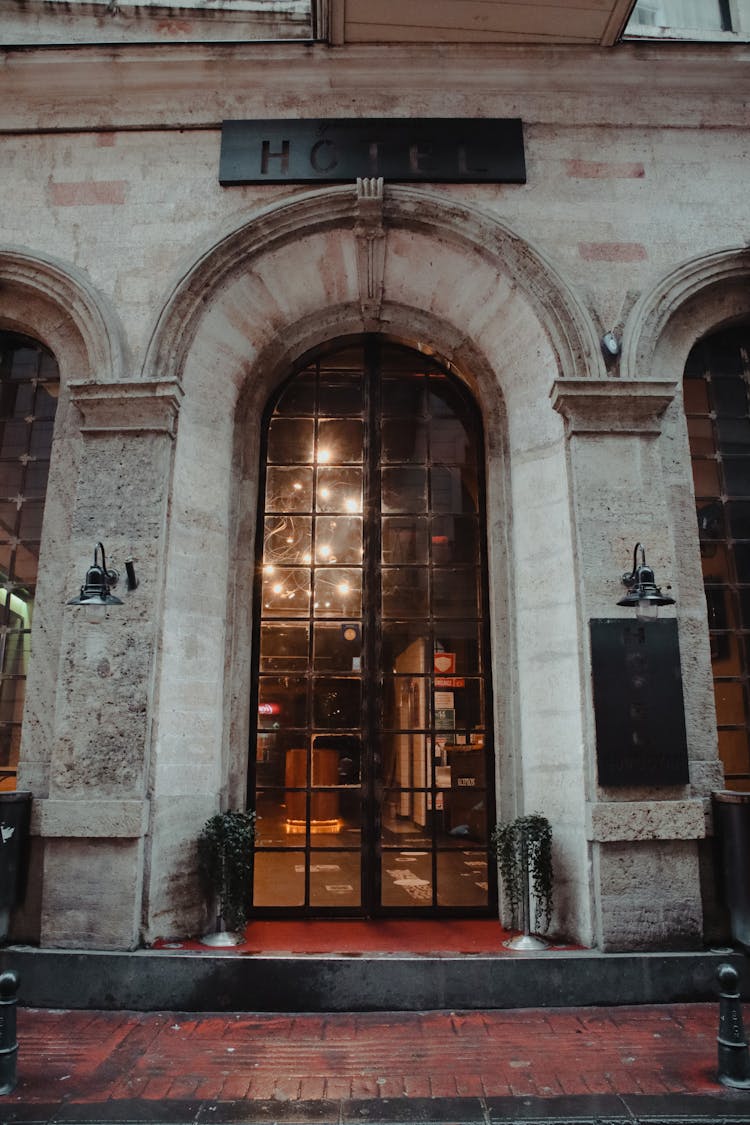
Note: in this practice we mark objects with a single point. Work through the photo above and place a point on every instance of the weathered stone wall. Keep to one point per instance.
(186, 304)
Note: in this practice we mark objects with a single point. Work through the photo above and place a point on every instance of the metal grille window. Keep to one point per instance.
(29, 382)
(681, 15)
(717, 405)
(373, 779)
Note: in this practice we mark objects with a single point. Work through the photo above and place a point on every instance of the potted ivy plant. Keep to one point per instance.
(524, 857)
(225, 855)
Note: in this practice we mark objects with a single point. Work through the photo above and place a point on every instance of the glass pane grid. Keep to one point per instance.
(28, 399)
(314, 763)
(716, 403)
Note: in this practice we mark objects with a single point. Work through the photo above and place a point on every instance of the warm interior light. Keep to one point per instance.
(277, 588)
(17, 605)
(324, 455)
(351, 505)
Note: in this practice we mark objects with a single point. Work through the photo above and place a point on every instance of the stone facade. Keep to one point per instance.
(175, 307)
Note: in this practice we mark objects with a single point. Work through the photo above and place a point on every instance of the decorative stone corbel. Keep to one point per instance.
(370, 237)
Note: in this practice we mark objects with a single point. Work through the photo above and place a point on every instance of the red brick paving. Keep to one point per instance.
(86, 1057)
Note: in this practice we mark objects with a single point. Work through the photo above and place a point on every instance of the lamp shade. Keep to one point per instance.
(643, 595)
(96, 588)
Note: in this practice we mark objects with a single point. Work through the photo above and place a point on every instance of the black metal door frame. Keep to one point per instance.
(372, 782)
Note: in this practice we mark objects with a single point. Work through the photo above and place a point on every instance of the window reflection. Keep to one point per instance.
(716, 406)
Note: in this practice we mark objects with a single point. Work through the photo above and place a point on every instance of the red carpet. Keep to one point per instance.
(353, 936)
(460, 935)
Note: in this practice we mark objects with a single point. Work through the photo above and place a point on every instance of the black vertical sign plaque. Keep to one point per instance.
(638, 703)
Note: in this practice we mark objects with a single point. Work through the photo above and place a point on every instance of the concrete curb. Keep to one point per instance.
(667, 1109)
(148, 980)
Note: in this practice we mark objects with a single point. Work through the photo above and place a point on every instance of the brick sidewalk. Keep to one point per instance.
(82, 1057)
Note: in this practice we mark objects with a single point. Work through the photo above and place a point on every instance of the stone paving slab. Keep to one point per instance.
(646, 1063)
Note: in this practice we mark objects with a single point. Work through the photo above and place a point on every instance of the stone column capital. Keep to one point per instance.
(128, 407)
(612, 406)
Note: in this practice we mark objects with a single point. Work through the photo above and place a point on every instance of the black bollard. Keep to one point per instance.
(8, 1041)
(734, 1060)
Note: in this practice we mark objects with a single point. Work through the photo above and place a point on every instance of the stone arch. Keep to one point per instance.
(700, 295)
(397, 208)
(428, 272)
(54, 303)
(57, 305)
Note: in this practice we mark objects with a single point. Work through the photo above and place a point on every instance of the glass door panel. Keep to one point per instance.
(371, 779)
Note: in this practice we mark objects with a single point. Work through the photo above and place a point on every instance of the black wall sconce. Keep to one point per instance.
(643, 595)
(96, 592)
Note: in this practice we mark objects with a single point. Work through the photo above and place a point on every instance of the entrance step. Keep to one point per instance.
(178, 980)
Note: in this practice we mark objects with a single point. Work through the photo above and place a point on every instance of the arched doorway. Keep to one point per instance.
(372, 758)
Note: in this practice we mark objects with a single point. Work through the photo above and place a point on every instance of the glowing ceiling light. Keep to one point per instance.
(324, 455)
(277, 587)
(351, 505)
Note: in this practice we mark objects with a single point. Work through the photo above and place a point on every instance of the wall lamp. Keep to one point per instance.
(643, 595)
(96, 592)
(611, 346)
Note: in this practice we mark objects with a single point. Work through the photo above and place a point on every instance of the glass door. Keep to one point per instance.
(371, 776)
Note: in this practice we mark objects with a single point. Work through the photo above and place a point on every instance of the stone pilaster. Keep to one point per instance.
(95, 817)
(643, 840)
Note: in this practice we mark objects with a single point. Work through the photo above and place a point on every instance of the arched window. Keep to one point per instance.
(716, 385)
(372, 757)
(29, 382)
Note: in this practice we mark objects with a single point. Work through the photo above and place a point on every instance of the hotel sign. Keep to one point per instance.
(426, 150)
(638, 703)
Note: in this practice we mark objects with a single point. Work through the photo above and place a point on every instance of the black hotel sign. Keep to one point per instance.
(428, 150)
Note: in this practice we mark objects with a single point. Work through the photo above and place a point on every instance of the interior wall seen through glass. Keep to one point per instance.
(29, 383)
(371, 783)
(717, 406)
